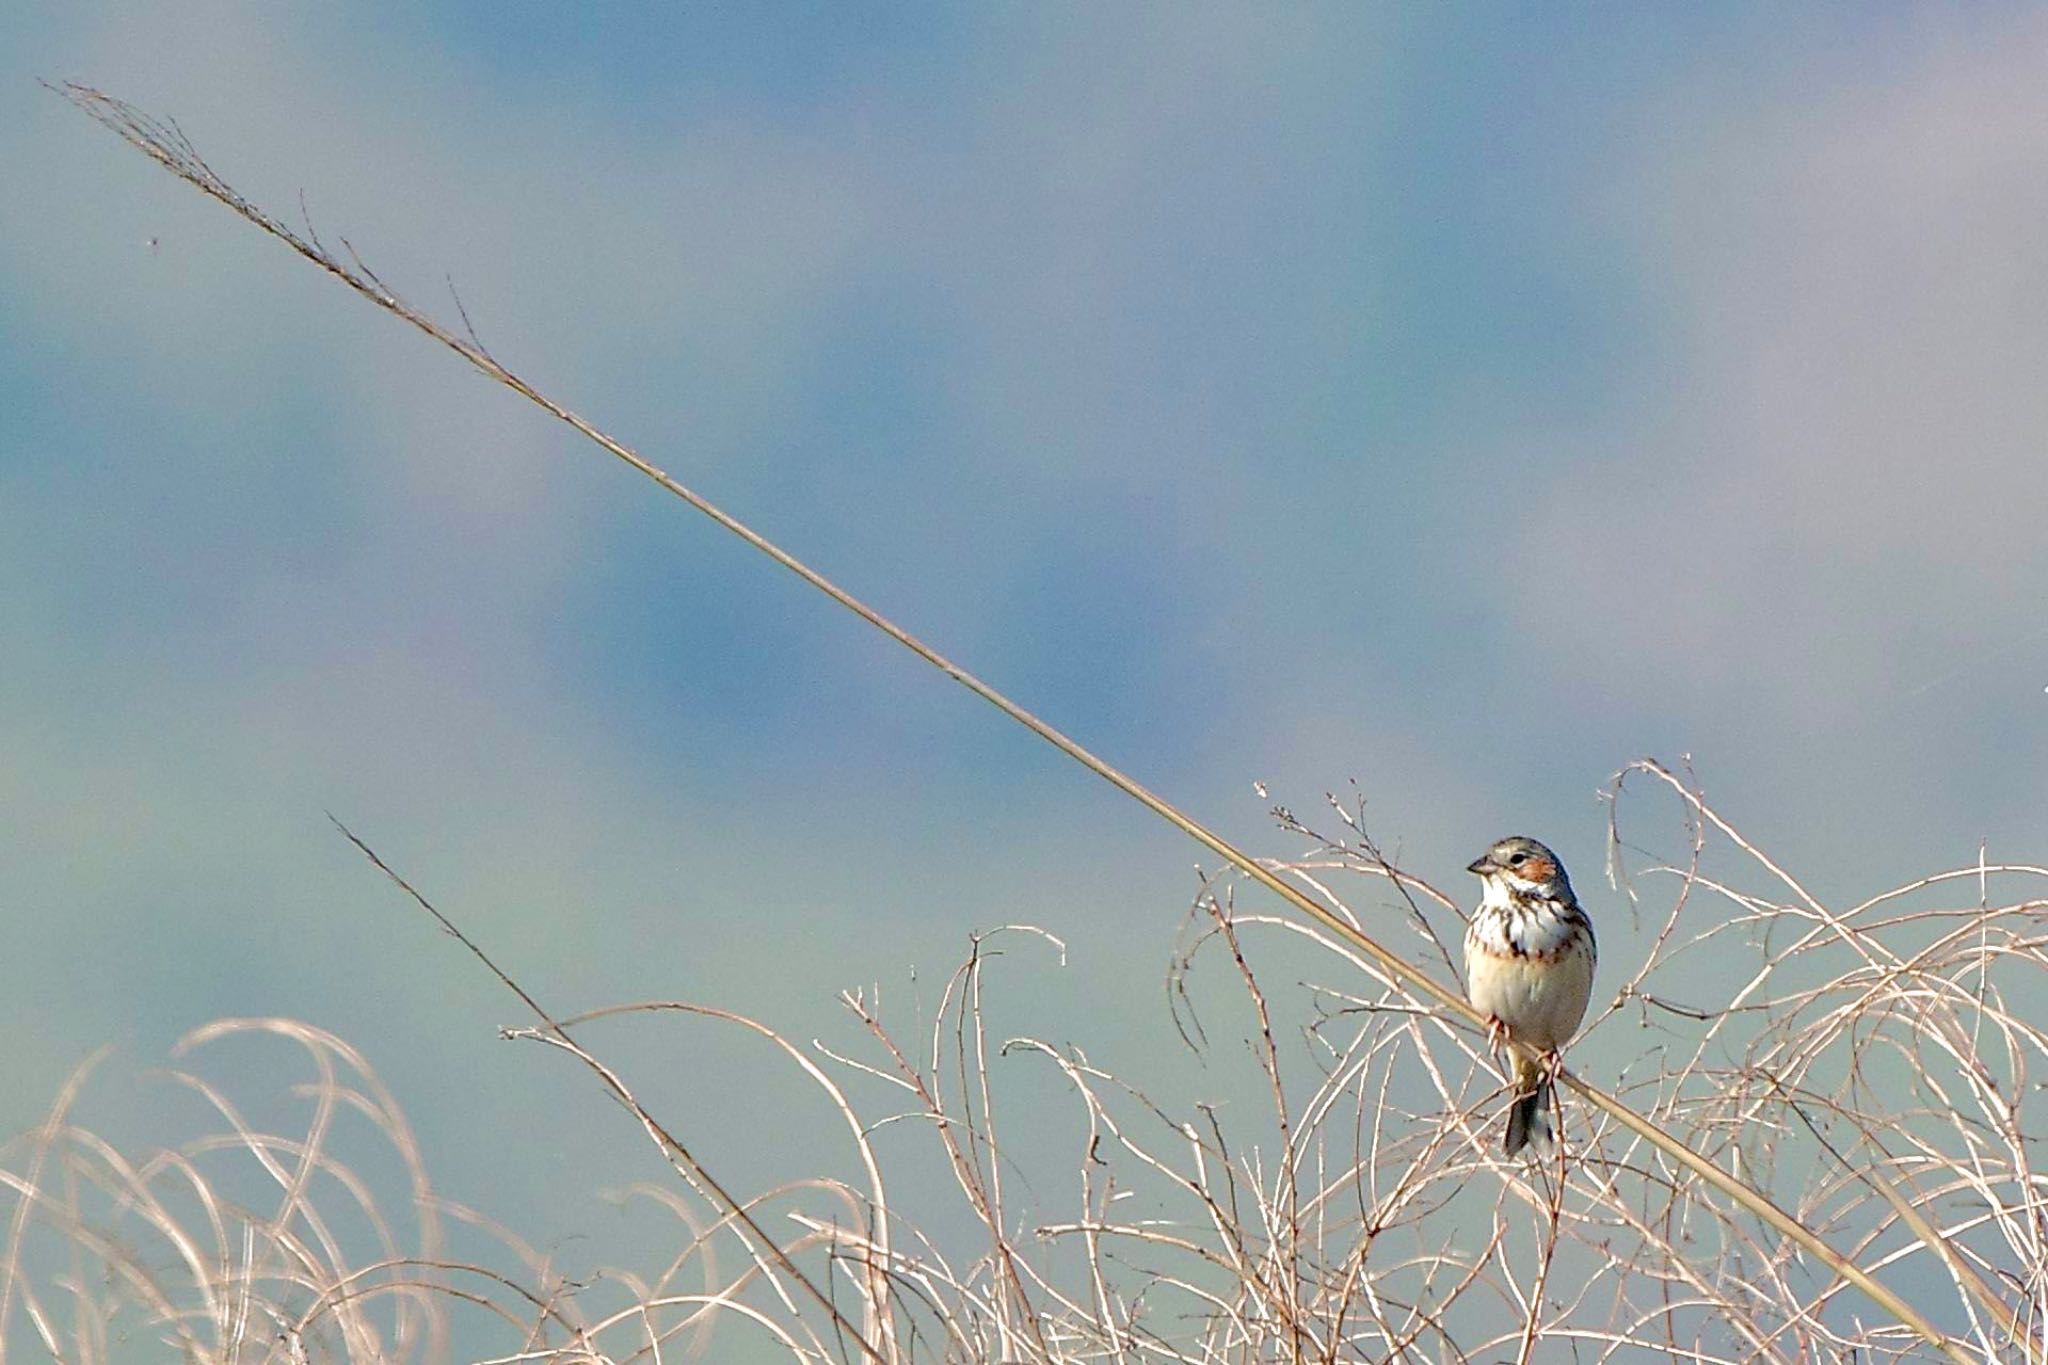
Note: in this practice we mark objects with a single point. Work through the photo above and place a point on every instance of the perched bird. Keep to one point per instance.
(1529, 958)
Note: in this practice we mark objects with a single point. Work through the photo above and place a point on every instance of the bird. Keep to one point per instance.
(1529, 960)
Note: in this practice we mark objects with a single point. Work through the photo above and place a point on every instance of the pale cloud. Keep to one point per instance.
(1839, 484)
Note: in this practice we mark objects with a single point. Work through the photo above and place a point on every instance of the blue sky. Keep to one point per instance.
(1460, 405)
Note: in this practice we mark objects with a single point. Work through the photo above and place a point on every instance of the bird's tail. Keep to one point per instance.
(1529, 1115)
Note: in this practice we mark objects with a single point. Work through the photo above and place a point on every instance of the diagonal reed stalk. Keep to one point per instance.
(165, 144)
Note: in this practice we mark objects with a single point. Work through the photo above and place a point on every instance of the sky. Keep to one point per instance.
(1456, 403)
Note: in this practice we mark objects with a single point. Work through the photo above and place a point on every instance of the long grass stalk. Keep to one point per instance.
(167, 145)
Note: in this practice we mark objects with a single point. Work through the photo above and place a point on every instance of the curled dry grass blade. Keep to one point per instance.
(1354, 1207)
(1360, 1216)
(1999, 1319)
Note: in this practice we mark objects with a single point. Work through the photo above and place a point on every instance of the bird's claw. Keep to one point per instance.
(1496, 1031)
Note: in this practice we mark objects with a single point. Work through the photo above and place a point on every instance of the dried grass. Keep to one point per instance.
(1865, 1066)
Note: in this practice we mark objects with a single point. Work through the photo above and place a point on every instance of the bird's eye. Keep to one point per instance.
(1518, 860)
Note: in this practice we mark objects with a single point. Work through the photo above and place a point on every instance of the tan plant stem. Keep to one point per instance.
(166, 145)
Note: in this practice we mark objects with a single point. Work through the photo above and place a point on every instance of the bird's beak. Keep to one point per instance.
(1482, 865)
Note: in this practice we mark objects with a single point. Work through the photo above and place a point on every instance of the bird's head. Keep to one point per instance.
(1522, 868)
